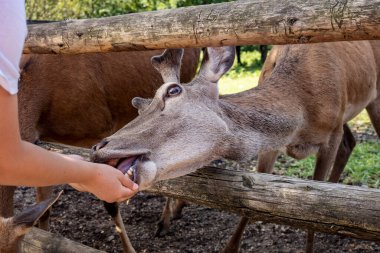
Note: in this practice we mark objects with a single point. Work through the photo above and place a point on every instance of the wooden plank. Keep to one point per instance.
(38, 240)
(321, 206)
(233, 23)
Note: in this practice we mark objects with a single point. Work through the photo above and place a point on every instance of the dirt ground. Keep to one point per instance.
(81, 217)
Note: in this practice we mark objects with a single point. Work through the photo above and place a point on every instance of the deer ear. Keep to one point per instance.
(216, 62)
(168, 64)
(23, 221)
(141, 103)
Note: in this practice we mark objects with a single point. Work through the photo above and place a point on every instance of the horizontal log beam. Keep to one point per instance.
(233, 23)
(38, 240)
(325, 207)
(321, 206)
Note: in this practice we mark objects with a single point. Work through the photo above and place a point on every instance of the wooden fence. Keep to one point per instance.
(325, 207)
(233, 23)
(38, 240)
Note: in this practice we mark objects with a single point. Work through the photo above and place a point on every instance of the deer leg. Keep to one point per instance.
(326, 155)
(233, 244)
(265, 165)
(238, 54)
(113, 210)
(179, 204)
(263, 52)
(6, 201)
(44, 193)
(345, 149)
(164, 222)
(266, 161)
(325, 159)
(373, 110)
(172, 210)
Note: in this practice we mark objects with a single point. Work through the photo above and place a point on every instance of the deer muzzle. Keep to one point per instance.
(140, 169)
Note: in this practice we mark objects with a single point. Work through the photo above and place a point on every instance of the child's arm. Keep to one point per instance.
(22, 163)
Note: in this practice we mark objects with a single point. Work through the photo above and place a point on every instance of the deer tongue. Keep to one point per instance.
(126, 164)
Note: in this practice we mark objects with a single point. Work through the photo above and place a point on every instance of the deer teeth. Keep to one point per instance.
(130, 172)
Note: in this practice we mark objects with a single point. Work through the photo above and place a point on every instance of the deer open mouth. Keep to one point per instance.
(138, 167)
(127, 165)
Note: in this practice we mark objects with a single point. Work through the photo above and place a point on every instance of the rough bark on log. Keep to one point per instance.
(38, 240)
(321, 206)
(233, 23)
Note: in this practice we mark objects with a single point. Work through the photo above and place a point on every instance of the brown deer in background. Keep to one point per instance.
(80, 99)
(306, 95)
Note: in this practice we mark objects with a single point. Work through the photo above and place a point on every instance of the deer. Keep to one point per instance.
(307, 94)
(13, 229)
(80, 99)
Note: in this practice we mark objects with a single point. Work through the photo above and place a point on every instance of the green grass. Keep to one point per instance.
(364, 164)
(241, 78)
(363, 167)
(229, 85)
(361, 119)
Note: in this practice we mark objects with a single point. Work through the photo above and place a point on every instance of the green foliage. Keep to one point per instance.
(244, 77)
(364, 165)
(250, 48)
(77, 9)
(362, 168)
(288, 166)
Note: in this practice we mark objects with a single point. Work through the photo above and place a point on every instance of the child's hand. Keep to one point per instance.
(108, 184)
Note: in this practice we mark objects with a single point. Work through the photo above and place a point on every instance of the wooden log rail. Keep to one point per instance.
(325, 207)
(38, 240)
(233, 23)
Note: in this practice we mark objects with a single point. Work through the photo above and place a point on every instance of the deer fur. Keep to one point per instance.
(306, 95)
(103, 84)
(13, 229)
(80, 99)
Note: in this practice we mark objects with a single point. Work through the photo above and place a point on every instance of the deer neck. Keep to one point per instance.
(258, 121)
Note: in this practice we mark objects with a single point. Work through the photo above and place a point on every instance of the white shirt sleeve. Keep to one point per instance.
(13, 31)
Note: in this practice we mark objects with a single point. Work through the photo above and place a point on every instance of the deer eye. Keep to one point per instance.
(173, 90)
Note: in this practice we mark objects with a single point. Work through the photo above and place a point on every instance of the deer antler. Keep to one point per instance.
(169, 64)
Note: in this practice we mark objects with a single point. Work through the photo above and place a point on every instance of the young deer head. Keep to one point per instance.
(180, 129)
(13, 229)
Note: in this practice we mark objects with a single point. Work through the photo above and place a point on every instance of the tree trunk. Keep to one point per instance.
(234, 23)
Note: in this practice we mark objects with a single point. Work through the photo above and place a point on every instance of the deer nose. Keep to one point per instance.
(100, 145)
